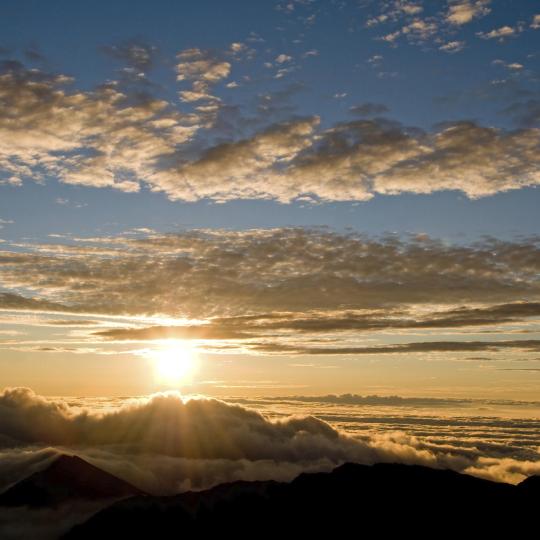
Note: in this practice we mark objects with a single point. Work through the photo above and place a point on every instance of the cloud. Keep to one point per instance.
(476, 160)
(201, 331)
(513, 66)
(535, 22)
(419, 29)
(11, 301)
(409, 23)
(198, 65)
(4, 222)
(498, 33)
(452, 47)
(283, 58)
(203, 69)
(387, 401)
(134, 53)
(340, 325)
(419, 347)
(354, 160)
(242, 169)
(283, 270)
(99, 138)
(524, 113)
(110, 138)
(464, 11)
(166, 444)
(285, 291)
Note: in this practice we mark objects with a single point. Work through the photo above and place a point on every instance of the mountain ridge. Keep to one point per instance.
(66, 478)
(393, 497)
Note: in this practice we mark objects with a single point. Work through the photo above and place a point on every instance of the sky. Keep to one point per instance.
(270, 198)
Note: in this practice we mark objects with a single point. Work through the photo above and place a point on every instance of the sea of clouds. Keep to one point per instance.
(167, 443)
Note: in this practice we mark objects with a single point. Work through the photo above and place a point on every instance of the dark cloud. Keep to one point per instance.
(172, 332)
(277, 104)
(340, 325)
(135, 53)
(525, 113)
(11, 301)
(33, 54)
(419, 347)
(387, 401)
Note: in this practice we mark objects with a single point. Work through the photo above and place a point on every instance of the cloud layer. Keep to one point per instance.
(290, 291)
(117, 137)
(224, 273)
(165, 444)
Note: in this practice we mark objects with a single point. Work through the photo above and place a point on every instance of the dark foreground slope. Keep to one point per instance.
(66, 479)
(356, 500)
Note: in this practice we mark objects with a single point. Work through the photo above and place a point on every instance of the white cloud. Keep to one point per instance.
(464, 11)
(452, 46)
(502, 32)
(102, 139)
(199, 65)
(283, 58)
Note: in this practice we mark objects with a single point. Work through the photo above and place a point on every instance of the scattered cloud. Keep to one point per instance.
(100, 138)
(135, 53)
(203, 69)
(464, 11)
(283, 58)
(452, 46)
(4, 222)
(498, 33)
(375, 60)
(512, 66)
(198, 65)
(105, 139)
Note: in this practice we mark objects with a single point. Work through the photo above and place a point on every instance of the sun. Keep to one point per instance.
(174, 364)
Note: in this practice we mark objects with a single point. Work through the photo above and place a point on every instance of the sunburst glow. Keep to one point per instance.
(174, 364)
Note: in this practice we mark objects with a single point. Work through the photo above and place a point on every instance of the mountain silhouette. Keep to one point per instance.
(66, 479)
(357, 500)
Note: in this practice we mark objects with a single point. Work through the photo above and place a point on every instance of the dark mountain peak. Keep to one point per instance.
(531, 485)
(65, 479)
(376, 499)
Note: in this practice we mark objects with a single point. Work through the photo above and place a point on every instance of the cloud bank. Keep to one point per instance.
(165, 444)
